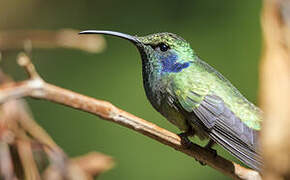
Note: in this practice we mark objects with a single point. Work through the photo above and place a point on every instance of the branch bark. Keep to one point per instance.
(20, 133)
(36, 87)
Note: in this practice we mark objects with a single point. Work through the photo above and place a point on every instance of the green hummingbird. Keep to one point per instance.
(195, 97)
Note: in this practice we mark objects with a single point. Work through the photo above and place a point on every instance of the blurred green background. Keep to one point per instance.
(224, 33)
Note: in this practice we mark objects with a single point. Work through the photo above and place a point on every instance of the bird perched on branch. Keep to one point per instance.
(195, 97)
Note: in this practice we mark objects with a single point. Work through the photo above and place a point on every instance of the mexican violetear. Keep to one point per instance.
(194, 96)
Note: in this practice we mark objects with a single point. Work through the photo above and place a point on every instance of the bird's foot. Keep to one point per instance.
(184, 139)
(210, 149)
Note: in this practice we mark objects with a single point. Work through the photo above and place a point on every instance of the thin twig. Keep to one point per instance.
(37, 88)
(6, 165)
(19, 131)
(26, 156)
(94, 163)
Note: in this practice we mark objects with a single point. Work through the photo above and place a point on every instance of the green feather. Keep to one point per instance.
(200, 80)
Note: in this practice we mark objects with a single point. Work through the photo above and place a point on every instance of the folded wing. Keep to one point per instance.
(227, 130)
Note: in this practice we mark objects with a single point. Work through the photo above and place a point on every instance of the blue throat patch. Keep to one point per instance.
(169, 64)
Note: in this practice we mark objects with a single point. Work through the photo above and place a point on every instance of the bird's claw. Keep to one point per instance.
(209, 148)
(212, 151)
(184, 140)
(187, 144)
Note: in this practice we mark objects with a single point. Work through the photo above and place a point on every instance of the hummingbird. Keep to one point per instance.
(195, 97)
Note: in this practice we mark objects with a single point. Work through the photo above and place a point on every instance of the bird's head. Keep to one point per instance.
(167, 50)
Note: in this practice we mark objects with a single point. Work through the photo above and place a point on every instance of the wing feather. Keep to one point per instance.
(226, 129)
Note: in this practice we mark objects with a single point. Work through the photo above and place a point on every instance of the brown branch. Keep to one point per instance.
(64, 38)
(275, 89)
(6, 165)
(37, 88)
(92, 164)
(33, 145)
(27, 160)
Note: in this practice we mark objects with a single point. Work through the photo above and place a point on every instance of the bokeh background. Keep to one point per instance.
(224, 33)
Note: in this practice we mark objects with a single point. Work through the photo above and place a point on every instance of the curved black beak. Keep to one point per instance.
(133, 39)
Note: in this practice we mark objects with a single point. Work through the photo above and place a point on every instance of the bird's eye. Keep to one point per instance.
(163, 47)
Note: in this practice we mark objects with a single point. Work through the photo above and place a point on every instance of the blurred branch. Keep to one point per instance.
(275, 89)
(19, 131)
(64, 38)
(37, 88)
(92, 163)
(6, 165)
(27, 160)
